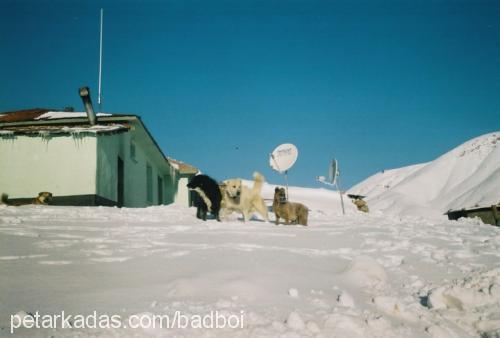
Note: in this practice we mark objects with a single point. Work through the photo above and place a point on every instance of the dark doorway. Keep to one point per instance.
(120, 183)
(160, 190)
(192, 197)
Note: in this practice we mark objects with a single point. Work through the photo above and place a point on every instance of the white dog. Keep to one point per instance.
(237, 197)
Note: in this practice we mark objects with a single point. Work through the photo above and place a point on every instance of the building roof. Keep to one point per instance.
(22, 115)
(181, 167)
(37, 114)
(42, 122)
(47, 121)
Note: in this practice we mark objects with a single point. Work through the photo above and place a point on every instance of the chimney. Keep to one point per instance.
(85, 95)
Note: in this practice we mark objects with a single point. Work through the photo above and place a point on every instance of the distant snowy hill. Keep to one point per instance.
(466, 176)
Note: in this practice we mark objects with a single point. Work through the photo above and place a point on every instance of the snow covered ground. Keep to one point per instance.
(358, 275)
(464, 177)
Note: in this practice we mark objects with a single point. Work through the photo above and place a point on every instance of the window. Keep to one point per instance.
(132, 150)
(149, 183)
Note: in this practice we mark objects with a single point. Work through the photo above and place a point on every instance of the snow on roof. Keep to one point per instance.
(37, 114)
(53, 115)
(92, 129)
(63, 129)
(182, 167)
(175, 165)
(41, 114)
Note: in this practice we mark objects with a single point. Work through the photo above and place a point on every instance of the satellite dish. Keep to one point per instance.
(333, 171)
(333, 179)
(283, 157)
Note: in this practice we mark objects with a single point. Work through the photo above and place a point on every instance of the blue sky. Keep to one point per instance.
(376, 84)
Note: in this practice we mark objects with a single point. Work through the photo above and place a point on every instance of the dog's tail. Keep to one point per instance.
(4, 198)
(258, 182)
(303, 215)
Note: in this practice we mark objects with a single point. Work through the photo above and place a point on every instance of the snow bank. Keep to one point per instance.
(366, 272)
(358, 275)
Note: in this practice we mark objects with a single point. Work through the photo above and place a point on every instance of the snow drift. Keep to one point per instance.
(466, 176)
(358, 275)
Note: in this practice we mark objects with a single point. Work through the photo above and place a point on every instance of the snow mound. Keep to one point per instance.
(366, 272)
(294, 293)
(478, 296)
(295, 322)
(345, 299)
(466, 176)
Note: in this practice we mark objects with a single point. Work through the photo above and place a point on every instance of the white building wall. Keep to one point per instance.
(64, 165)
(83, 164)
(182, 196)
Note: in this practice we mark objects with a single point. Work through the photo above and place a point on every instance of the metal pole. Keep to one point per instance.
(286, 182)
(100, 63)
(340, 193)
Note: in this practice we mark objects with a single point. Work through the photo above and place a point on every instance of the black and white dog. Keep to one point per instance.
(208, 198)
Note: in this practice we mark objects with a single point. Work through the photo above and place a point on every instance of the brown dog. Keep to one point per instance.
(44, 198)
(295, 212)
(361, 204)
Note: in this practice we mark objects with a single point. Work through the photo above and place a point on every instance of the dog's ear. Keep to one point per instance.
(276, 189)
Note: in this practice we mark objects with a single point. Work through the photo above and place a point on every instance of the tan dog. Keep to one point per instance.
(237, 197)
(44, 198)
(361, 204)
(295, 212)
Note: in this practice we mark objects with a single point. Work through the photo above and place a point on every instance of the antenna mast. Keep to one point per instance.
(99, 97)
